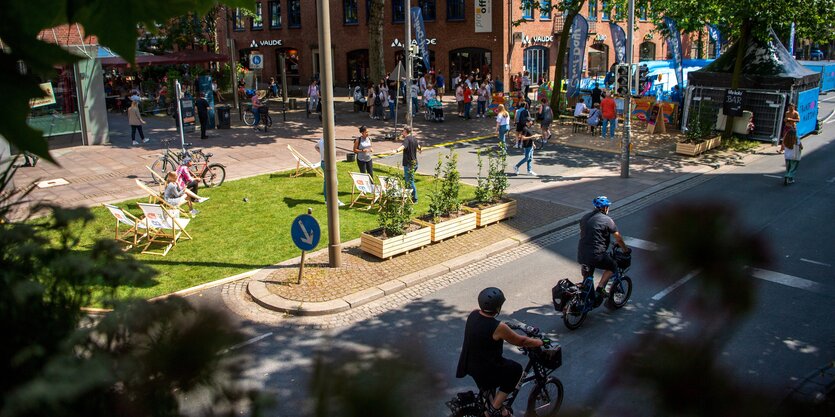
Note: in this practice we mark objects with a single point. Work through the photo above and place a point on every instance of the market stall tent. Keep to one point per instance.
(770, 79)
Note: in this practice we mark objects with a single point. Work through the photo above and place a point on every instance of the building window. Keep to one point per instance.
(275, 14)
(598, 59)
(604, 11)
(428, 9)
(646, 51)
(350, 9)
(294, 15)
(239, 20)
(544, 9)
(642, 13)
(257, 20)
(593, 10)
(455, 10)
(358, 66)
(527, 10)
(367, 11)
(536, 63)
(398, 11)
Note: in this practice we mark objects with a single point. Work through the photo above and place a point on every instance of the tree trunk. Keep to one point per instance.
(377, 66)
(744, 37)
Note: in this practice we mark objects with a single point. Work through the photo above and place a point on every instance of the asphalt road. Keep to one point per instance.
(789, 333)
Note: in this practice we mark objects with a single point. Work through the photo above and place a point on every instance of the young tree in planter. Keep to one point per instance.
(483, 193)
(497, 176)
(446, 186)
(396, 210)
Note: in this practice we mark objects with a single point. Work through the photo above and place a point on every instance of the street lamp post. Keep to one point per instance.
(627, 108)
(326, 71)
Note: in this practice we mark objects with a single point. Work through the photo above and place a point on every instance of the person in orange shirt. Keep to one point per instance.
(610, 115)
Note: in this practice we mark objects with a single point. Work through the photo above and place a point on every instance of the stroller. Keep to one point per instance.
(434, 111)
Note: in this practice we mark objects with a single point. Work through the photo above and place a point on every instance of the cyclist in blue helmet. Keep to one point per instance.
(596, 231)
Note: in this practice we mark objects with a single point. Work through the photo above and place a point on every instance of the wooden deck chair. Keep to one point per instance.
(163, 228)
(367, 193)
(156, 197)
(303, 165)
(399, 191)
(157, 178)
(136, 227)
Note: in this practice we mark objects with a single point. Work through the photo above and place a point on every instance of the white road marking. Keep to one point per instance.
(814, 262)
(675, 285)
(640, 244)
(831, 121)
(787, 280)
(772, 176)
(248, 342)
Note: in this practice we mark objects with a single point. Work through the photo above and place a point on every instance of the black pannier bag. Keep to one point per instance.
(561, 293)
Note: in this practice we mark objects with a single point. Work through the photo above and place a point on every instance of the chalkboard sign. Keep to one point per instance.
(653, 114)
(733, 103)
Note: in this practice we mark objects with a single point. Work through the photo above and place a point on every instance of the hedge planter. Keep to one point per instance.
(372, 241)
(493, 213)
(693, 149)
(463, 222)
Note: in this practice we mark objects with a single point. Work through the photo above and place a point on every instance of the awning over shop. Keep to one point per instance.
(187, 56)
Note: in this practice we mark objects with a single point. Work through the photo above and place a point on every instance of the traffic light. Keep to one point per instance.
(622, 79)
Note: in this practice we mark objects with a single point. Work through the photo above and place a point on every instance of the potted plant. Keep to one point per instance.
(491, 205)
(699, 136)
(445, 217)
(397, 233)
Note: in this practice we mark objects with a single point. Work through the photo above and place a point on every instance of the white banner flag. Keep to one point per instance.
(483, 16)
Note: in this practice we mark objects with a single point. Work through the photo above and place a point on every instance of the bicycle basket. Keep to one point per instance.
(624, 260)
(461, 401)
(561, 293)
(550, 358)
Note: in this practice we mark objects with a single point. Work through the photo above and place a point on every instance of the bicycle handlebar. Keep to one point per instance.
(532, 332)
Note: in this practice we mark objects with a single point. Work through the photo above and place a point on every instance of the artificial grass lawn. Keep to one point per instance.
(232, 236)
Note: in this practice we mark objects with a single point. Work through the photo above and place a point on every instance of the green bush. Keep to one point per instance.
(444, 199)
(396, 210)
(700, 125)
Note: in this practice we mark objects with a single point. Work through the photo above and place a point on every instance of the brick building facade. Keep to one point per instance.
(462, 34)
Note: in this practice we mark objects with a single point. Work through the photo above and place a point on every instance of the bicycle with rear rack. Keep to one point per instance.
(212, 174)
(546, 396)
(576, 301)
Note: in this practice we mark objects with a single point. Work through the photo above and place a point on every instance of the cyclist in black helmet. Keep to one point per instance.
(596, 230)
(481, 354)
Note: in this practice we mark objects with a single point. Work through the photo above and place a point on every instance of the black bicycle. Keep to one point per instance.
(211, 173)
(547, 393)
(576, 301)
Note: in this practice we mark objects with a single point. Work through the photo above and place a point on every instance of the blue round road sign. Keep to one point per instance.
(305, 232)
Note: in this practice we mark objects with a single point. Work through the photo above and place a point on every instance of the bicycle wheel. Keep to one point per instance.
(545, 399)
(161, 167)
(171, 109)
(619, 293)
(249, 117)
(573, 315)
(539, 143)
(214, 175)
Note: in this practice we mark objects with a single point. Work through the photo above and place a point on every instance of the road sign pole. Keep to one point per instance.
(301, 269)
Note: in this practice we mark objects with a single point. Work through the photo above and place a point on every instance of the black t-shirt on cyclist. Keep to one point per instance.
(596, 231)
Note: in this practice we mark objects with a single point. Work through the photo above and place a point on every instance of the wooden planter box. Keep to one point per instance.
(493, 214)
(386, 248)
(449, 228)
(693, 149)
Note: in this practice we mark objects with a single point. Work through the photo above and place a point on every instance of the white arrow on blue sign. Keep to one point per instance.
(305, 232)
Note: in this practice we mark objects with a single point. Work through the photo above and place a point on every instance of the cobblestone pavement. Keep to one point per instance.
(361, 271)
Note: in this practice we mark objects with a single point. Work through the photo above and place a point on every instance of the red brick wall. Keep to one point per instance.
(507, 57)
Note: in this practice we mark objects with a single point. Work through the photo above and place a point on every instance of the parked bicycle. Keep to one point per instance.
(211, 173)
(266, 119)
(576, 301)
(546, 396)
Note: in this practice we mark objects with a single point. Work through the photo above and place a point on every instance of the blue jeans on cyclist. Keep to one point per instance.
(257, 114)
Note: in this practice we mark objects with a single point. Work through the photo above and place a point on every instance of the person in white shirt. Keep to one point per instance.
(320, 147)
(415, 91)
(502, 124)
(580, 110)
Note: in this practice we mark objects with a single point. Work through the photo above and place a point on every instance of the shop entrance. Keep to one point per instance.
(358, 66)
(467, 60)
(291, 62)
